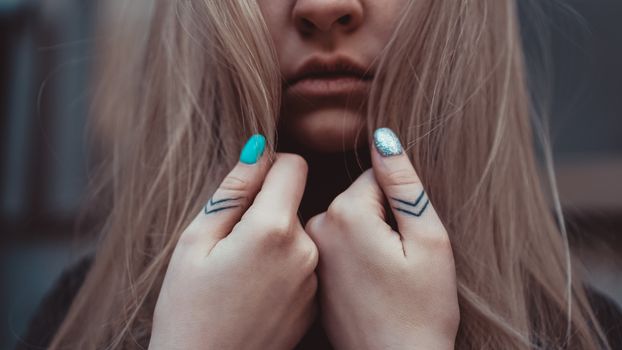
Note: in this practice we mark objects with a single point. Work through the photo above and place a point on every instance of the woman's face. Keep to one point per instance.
(326, 51)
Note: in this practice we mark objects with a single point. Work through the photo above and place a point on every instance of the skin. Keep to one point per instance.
(255, 277)
(242, 278)
(327, 125)
(383, 288)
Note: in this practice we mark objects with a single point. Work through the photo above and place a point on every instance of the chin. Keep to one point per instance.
(326, 130)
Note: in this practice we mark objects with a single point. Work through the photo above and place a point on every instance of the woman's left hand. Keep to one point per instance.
(382, 289)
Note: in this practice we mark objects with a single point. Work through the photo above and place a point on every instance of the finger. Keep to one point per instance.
(232, 198)
(360, 209)
(307, 246)
(360, 204)
(282, 190)
(414, 214)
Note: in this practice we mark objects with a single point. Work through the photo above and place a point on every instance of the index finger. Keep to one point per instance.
(283, 187)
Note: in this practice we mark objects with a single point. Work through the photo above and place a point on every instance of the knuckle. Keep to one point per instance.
(310, 256)
(189, 237)
(439, 243)
(278, 238)
(341, 210)
(275, 231)
(280, 225)
(402, 176)
(313, 225)
(234, 183)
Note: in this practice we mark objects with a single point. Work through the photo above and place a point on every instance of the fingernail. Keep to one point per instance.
(253, 149)
(386, 142)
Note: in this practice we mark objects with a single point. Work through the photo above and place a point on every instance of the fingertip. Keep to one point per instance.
(253, 150)
(386, 149)
(285, 183)
(389, 160)
(295, 160)
(386, 142)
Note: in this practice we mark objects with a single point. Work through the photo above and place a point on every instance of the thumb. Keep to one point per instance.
(232, 197)
(401, 185)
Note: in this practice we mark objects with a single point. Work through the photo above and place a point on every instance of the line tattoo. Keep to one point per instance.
(209, 207)
(416, 208)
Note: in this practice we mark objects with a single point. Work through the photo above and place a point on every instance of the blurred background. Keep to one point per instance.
(46, 57)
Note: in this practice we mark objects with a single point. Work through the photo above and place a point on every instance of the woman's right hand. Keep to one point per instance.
(242, 273)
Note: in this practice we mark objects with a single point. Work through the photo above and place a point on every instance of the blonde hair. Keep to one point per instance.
(179, 98)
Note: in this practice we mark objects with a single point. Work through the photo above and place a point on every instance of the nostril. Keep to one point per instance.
(306, 24)
(312, 17)
(344, 19)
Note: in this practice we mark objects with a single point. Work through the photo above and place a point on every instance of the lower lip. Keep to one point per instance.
(326, 87)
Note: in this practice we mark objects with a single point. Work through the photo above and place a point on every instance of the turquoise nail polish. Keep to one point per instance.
(387, 143)
(253, 149)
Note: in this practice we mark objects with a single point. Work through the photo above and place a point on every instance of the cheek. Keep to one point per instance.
(274, 13)
(386, 17)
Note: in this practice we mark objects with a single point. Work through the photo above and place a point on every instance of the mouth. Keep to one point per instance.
(337, 76)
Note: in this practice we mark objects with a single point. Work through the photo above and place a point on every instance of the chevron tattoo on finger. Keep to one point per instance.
(416, 208)
(215, 206)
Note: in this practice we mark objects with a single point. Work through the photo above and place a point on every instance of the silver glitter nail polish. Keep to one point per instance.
(387, 143)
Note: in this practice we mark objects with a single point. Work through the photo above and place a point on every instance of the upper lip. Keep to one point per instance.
(323, 67)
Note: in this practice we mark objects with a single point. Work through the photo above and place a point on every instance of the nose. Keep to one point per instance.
(323, 15)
